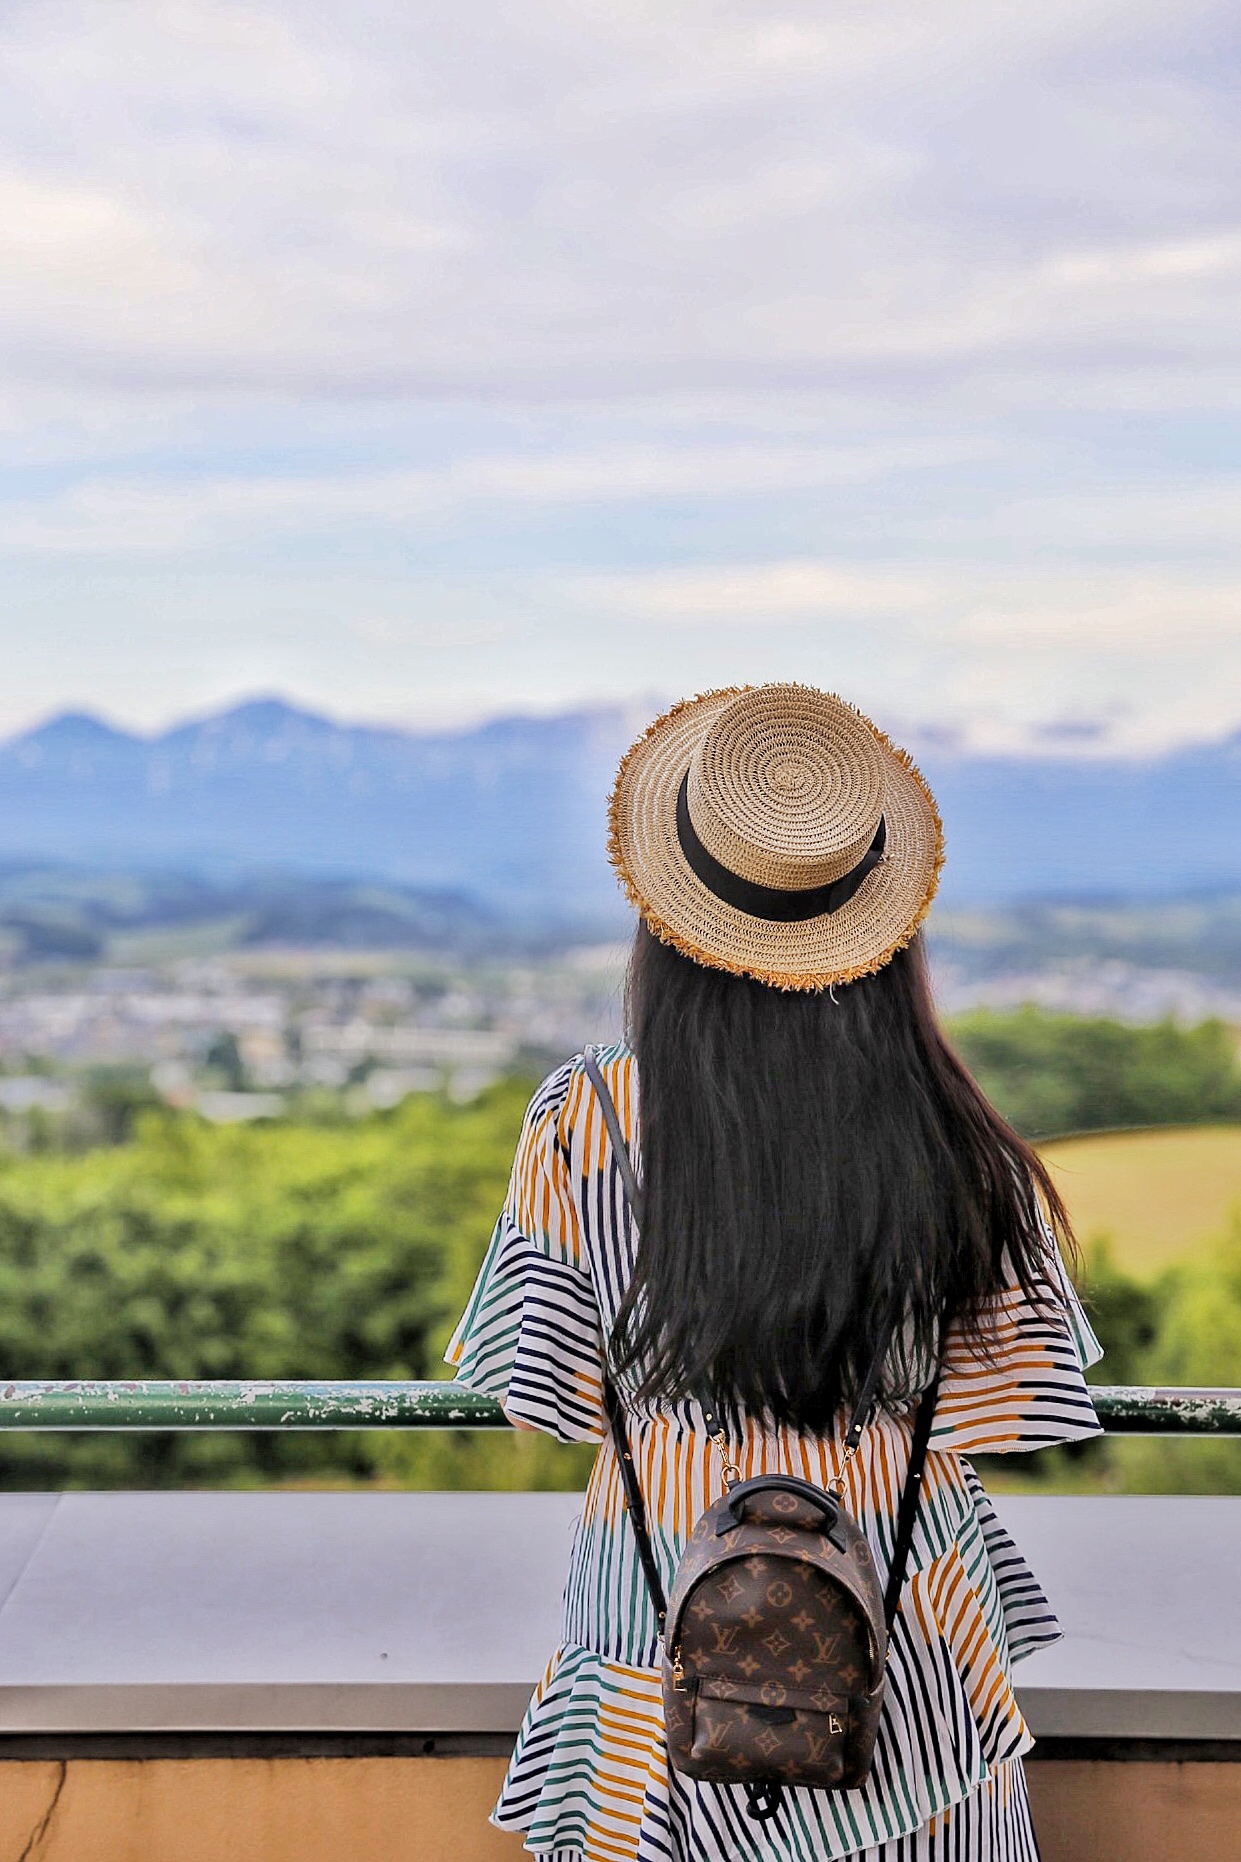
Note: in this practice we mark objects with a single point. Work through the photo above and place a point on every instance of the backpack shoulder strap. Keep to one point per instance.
(634, 1502)
(911, 1493)
(635, 1505)
(611, 1118)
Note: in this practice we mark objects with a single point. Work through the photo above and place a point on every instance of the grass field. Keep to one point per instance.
(1158, 1194)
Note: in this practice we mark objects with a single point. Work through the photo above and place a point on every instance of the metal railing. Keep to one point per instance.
(262, 1404)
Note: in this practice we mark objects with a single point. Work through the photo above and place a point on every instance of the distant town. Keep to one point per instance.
(246, 1033)
(240, 1035)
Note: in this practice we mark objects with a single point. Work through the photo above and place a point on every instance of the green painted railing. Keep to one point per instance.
(266, 1405)
(257, 1404)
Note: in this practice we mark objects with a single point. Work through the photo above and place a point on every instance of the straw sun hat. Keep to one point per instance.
(773, 831)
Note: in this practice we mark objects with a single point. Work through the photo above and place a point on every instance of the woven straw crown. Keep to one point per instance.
(737, 811)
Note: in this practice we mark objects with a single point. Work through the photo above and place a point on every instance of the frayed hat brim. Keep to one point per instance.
(837, 947)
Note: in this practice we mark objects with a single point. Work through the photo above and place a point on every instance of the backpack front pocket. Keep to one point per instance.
(731, 1733)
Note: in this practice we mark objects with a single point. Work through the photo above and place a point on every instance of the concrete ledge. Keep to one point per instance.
(130, 1614)
(269, 1611)
(194, 1706)
(129, 1746)
(1145, 1589)
(1107, 1713)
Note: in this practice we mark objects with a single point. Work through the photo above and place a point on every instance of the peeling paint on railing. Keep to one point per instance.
(1173, 1410)
(260, 1404)
(254, 1404)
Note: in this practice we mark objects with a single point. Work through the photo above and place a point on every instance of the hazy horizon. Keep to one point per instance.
(1075, 742)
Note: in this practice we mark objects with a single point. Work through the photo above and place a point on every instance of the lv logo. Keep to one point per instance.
(825, 1646)
(818, 1742)
(717, 1732)
(725, 1638)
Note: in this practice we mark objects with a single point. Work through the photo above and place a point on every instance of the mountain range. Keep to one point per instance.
(510, 814)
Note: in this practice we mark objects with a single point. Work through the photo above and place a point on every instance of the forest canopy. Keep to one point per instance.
(1055, 1074)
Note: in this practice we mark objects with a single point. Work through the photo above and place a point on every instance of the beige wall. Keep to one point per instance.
(396, 1810)
(1090, 1811)
(252, 1810)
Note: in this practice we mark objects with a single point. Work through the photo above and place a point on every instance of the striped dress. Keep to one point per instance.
(589, 1779)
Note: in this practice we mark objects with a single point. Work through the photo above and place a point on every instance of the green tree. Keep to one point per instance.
(281, 1250)
(1124, 1313)
(1198, 1341)
(1050, 1074)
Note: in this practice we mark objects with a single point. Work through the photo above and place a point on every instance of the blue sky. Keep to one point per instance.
(421, 362)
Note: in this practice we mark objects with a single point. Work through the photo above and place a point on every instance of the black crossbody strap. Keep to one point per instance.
(611, 1399)
(911, 1493)
(907, 1512)
(634, 1501)
(866, 1395)
(611, 1118)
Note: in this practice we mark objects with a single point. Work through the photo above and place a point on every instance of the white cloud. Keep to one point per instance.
(757, 592)
(112, 515)
(1118, 612)
(517, 355)
(558, 201)
(1211, 257)
(1003, 657)
(394, 630)
(968, 603)
(56, 237)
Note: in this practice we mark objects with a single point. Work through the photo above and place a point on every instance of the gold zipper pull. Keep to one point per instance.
(678, 1672)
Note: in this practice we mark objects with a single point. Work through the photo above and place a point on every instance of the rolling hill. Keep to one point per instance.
(1156, 1196)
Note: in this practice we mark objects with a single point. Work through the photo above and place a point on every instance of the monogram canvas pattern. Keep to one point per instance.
(776, 1645)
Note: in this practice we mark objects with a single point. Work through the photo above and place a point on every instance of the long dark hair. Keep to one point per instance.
(813, 1166)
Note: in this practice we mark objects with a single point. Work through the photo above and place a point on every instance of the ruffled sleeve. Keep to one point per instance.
(531, 1335)
(1020, 1383)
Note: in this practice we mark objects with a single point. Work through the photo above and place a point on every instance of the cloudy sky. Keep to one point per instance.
(423, 362)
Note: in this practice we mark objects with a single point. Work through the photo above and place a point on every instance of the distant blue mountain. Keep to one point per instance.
(1029, 827)
(511, 813)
